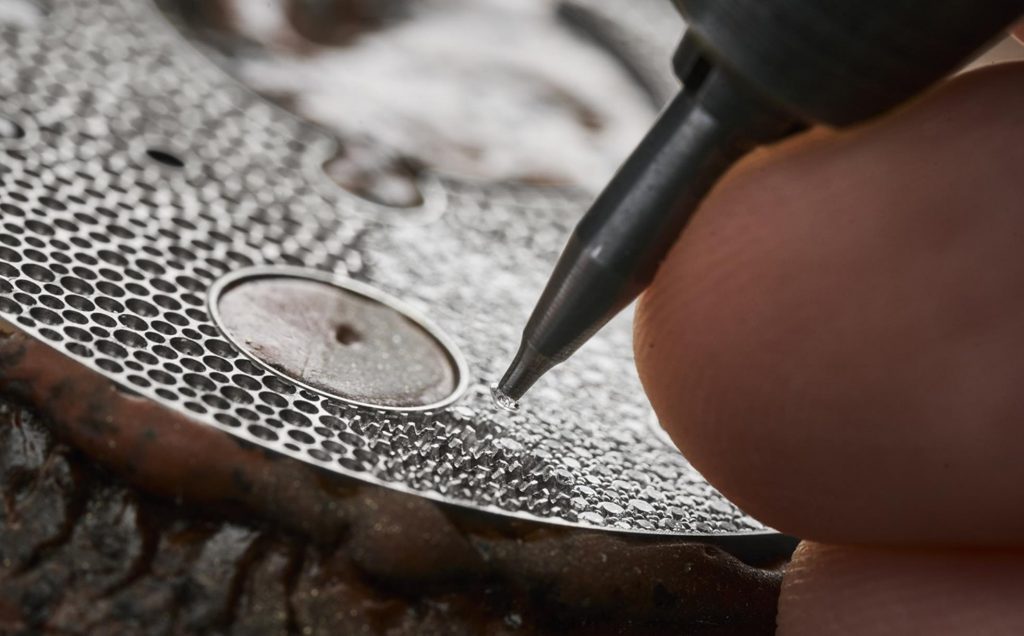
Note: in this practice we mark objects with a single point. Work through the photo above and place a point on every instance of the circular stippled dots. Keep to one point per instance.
(337, 337)
(111, 255)
(10, 129)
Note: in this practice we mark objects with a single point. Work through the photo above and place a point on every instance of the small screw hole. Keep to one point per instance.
(346, 335)
(165, 158)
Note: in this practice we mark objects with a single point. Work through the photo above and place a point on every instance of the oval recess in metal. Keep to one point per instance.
(339, 338)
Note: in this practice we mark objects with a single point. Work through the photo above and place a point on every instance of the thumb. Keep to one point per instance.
(836, 340)
(847, 591)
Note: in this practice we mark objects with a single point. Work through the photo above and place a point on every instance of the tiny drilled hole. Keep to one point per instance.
(346, 335)
(164, 157)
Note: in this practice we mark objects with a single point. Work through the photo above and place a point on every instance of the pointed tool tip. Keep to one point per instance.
(527, 367)
(502, 399)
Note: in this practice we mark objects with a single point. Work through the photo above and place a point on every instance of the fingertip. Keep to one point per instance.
(834, 342)
(849, 591)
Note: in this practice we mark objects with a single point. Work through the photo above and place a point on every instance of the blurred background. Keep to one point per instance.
(546, 92)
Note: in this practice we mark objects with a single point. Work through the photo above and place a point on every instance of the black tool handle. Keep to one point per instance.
(754, 71)
(840, 61)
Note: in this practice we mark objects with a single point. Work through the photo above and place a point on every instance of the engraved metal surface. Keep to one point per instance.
(145, 175)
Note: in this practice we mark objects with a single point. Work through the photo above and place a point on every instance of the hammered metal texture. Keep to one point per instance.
(107, 255)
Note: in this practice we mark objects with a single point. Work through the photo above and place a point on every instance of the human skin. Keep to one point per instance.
(836, 343)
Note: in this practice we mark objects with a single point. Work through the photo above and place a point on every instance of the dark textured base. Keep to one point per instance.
(82, 552)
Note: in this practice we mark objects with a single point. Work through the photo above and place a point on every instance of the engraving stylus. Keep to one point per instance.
(753, 72)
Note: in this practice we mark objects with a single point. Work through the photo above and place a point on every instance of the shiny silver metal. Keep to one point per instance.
(361, 289)
(109, 254)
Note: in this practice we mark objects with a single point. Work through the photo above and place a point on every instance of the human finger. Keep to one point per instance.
(837, 339)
